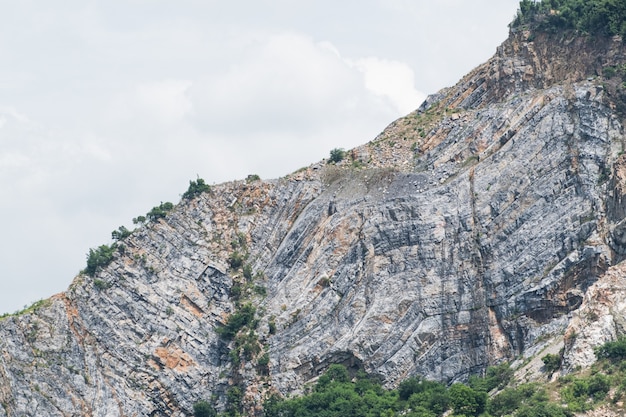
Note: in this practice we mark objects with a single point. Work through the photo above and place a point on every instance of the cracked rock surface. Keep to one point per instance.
(460, 237)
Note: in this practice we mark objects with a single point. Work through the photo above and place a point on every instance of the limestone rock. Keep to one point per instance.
(460, 237)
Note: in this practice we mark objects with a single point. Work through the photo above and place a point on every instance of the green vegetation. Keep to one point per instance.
(252, 178)
(336, 155)
(196, 188)
(339, 393)
(596, 17)
(551, 362)
(139, 220)
(29, 309)
(160, 211)
(613, 351)
(99, 258)
(121, 233)
(203, 409)
(244, 316)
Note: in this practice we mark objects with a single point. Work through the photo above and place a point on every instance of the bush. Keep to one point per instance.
(551, 362)
(234, 396)
(196, 188)
(203, 409)
(597, 17)
(139, 220)
(247, 272)
(99, 258)
(466, 401)
(613, 351)
(120, 233)
(160, 211)
(235, 260)
(237, 321)
(510, 399)
(336, 155)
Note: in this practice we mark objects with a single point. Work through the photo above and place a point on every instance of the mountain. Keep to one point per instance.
(485, 227)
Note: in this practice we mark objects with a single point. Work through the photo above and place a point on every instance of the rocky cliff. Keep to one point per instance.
(481, 228)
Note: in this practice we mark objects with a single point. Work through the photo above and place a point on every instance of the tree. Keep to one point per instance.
(466, 401)
(159, 211)
(551, 362)
(203, 409)
(196, 188)
(99, 258)
(120, 233)
(336, 155)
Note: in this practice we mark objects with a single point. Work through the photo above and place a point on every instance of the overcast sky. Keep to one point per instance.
(109, 107)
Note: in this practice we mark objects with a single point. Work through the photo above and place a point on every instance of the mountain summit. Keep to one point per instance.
(485, 227)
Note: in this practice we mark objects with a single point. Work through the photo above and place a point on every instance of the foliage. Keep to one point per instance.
(98, 258)
(121, 233)
(467, 401)
(203, 409)
(495, 377)
(236, 321)
(597, 17)
(272, 325)
(235, 260)
(613, 351)
(139, 220)
(196, 188)
(252, 178)
(101, 285)
(160, 211)
(247, 272)
(336, 155)
(234, 395)
(583, 392)
(551, 362)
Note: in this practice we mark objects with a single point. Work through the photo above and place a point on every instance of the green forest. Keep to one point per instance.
(349, 393)
(595, 17)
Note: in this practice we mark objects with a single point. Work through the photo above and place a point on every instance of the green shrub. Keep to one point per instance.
(261, 290)
(235, 291)
(272, 325)
(238, 320)
(235, 260)
(234, 396)
(336, 155)
(160, 211)
(101, 285)
(247, 272)
(99, 258)
(609, 72)
(466, 401)
(203, 409)
(596, 17)
(551, 362)
(196, 188)
(510, 399)
(495, 377)
(121, 233)
(613, 351)
(252, 178)
(139, 220)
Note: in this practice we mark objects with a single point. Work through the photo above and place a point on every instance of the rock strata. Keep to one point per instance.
(465, 234)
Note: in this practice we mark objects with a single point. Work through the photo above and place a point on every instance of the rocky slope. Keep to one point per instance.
(475, 230)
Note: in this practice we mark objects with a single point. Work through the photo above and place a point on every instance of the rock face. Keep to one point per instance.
(462, 236)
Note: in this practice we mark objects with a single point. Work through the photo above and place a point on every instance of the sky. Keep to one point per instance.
(108, 108)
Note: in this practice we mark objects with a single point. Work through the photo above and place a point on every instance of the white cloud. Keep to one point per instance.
(393, 80)
(282, 82)
(162, 102)
(109, 107)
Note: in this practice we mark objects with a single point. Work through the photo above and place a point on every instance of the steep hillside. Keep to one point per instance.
(472, 231)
